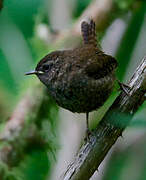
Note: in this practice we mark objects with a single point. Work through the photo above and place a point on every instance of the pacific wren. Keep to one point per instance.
(80, 79)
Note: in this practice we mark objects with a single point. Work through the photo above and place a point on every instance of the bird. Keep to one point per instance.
(80, 79)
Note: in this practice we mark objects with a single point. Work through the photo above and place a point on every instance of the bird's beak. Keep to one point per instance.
(34, 72)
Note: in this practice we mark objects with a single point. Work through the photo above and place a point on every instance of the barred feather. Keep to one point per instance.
(89, 32)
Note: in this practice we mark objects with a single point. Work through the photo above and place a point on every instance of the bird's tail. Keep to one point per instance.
(89, 33)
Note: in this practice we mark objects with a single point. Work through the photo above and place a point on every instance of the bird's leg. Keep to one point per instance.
(87, 126)
(124, 87)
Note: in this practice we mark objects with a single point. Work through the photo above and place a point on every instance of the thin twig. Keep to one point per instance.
(109, 129)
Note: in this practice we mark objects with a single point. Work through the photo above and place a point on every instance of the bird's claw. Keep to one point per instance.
(124, 87)
(88, 133)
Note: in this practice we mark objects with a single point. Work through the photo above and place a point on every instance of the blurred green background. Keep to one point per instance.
(27, 28)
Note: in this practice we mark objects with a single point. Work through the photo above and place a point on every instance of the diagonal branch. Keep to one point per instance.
(109, 129)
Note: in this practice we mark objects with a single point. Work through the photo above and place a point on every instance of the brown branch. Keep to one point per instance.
(109, 129)
(27, 107)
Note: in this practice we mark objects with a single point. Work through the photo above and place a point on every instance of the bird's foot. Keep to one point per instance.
(124, 87)
(88, 133)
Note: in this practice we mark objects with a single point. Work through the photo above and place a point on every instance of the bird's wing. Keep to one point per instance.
(101, 66)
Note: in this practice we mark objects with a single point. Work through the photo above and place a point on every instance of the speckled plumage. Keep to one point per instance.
(81, 79)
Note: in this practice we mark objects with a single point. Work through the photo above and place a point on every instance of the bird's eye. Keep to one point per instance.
(47, 67)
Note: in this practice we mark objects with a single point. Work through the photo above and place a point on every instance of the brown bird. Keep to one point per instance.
(80, 79)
